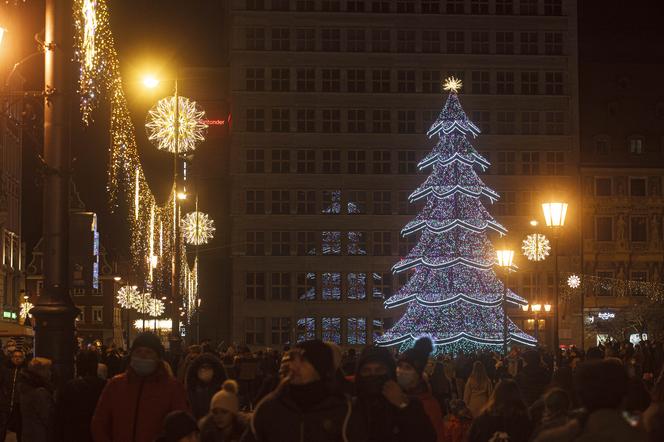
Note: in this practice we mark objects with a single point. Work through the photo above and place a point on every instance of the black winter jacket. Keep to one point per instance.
(532, 381)
(198, 393)
(386, 423)
(75, 404)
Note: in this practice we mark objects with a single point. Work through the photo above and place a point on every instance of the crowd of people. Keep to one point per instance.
(315, 392)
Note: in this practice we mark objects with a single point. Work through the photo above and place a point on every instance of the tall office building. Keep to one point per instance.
(331, 101)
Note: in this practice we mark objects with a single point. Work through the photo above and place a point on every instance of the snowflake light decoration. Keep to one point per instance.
(26, 306)
(156, 307)
(146, 304)
(126, 296)
(536, 247)
(574, 281)
(161, 125)
(452, 84)
(198, 228)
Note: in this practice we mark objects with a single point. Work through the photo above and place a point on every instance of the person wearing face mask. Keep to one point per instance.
(410, 369)
(222, 423)
(204, 378)
(133, 404)
(389, 414)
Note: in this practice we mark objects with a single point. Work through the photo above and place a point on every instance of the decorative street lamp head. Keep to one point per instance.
(547, 307)
(150, 81)
(505, 257)
(536, 308)
(554, 213)
(2, 33)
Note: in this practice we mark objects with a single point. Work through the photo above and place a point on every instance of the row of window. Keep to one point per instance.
(355, 80)
(635, 228)
(476, 7)
(286, 330)
(636, 144)
(384, 40)
(94, 314)
(637, 186)
(329, 242)
(387, 162)
(502, 122)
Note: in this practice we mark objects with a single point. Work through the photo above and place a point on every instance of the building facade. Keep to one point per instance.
(331, 101)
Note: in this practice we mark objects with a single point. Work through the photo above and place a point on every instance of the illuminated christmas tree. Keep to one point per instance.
(453, 295)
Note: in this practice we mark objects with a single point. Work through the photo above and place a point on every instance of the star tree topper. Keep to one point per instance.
(452, 84)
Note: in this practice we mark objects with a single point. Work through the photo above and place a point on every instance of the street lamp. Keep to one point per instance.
(2, 33)
(150, 81)
(504, 260)
(536, 309)
(554, 216)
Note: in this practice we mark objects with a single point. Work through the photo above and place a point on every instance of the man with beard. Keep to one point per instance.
(389, 414)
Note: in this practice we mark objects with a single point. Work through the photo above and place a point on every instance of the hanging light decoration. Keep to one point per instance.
(198, 228)
(573, 281)
(126, 296)
(161, 125)
(24, 313)
(536, 247)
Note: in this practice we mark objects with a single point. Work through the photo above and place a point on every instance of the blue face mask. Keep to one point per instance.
(143, 366)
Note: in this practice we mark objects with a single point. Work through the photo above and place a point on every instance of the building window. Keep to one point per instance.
(331, 330)
(254, 331)
(255, 285)
(406, 6)
(382, 203)
(280, 243)
(603, 187)
(306, 286)
(455, 42)
(382, 243)
(306, 243)
(280, 286)
(255, 5)
(636, 145)
(280, 161)
(407, 163)
(553, 43)
(380, 80)
(637, 229)
(604, 228)
(357, 286)
(382, 6)
(505, 163)
(555, 163)
(357, 161)
(382, 160)
(357, 202)
(431, 82)
(455, 6)
(506, 205)
(504, 7)
(331, 161)
(505, 83)
(553, 7)
(505, 43)
(406, 81)
(331, 40)
(528, 7)
(355, 40)
(280, 39)
(306, 202)
(255, 39)
(331, 120)
(637, 187)
(355, 6)
(406, 121)
(306, 329)
(431, 41)
(306, 161)
(479, 41)
(553, 83)
(331, 202)
(529, 83)
(305, 5)
(530, 123)
(331, 242)
(430, 6)
(254, 202)
(381, 121)
(405, 41)
(355, 80)
(405, 206)
(306, 120)
(281, 331)
(357, 243)
(505, 122)
(331, 80)
(483, 120)
(530, 163)
(280, 120)
(306, 80)
(529, 45)
(602, 146)
(357, 121)
(638, 276)
(255, 79)
(255, 120)
(331, 5)
(331, 286)
(356, 331)
(305, 40)
(554, 123)
(479, 7)
(255, 243)
(255, 162)
(280, 5)
(380, 40)
(97, 313)
(280, 79)
(480, 82)
(382, 285)
(280, 202)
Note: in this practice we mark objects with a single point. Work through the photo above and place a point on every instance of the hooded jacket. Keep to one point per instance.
(37, 407)
(198, 393)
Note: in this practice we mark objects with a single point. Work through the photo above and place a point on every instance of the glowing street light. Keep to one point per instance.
(150, 81)
(554, 213)
(2, 33)
(505, 258)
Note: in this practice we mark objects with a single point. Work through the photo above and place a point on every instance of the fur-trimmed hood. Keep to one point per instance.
(210, 359)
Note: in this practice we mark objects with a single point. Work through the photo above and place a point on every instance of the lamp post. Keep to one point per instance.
(504, 260)
(554, 216)
(536, 309)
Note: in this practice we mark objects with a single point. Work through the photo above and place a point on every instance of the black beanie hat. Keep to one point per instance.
(418, 355)
(149, 340)
(319, 355)
(381, 355)
(177, 425)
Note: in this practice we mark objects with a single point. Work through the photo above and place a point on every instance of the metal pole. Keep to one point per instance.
(536, 327)
(55, 312)
(507, 270)
(556, 337)
(175, 279)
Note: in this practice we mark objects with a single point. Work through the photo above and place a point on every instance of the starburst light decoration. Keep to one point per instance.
(536, 247)
(573, 281)
(161, 125)
(146, 304)
(126, 296)
(452, 84)
(26, 306)
(198, 228)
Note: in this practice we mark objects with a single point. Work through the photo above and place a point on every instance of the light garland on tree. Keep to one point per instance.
(197, 228)
(536, 247)
(161, 125)
(126, 296)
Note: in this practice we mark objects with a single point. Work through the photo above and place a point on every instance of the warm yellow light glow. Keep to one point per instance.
(554, 213)
(536, 247)
(127, 295)
(117, 278)
(452, 84)
(182, 195)
(2, 33)
(525, 307)
(536, 307)
(505, 257)
(89, 31)
(573, 281)
(154, 260)
(533, 222)
(159, 324)
(26, 306)
(150, 81)
(198, 228)
(137, 194)
(161, 127)
(547, 307)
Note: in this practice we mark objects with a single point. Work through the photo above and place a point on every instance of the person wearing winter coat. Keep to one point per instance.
(533, 378)
(478, 389)
(179, 426)
(388, 413)
(37, 404)
(204, 378)
(10, 408)
(133, 404)
(505, 416)
(223, 423)
(307, 406)
(410, 369)
(75, 402)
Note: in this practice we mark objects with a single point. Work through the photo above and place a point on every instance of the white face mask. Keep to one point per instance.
(205, 374)
(406, 379)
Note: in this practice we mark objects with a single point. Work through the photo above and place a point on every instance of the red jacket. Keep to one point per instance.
(435, 413)
(132, 408)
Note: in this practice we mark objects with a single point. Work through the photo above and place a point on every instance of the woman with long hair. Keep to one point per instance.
(478, 389)
(505, 416)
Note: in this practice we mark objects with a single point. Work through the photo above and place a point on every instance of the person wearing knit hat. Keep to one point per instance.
(222, 423)
(313, 354)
